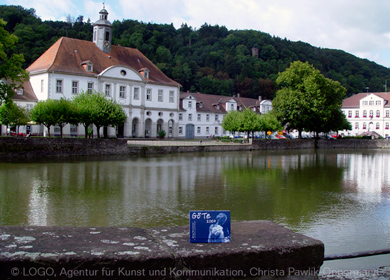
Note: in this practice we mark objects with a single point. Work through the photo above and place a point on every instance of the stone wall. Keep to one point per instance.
(16, 147)
(20, 147)
(354, 144)
(284, 144)
(258, 250)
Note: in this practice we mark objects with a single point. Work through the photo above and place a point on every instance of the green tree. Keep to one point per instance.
(86, 108)
(5, 116)
(44, 113)
(249, 122)
(12, 75)
(54, 112)
(231, 122)
(117, 114)
(307, 100)
(12, 114)
(64, 112)
(107, 113)
(339, 122)
(96, 109)
(269, 122)
(163, 54)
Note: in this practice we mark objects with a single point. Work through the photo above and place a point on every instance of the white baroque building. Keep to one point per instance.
(368, 112)
(70, 66)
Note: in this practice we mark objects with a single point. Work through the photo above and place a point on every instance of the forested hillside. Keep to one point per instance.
(211, 59)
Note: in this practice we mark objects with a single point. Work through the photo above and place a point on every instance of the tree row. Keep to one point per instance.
(86, 109)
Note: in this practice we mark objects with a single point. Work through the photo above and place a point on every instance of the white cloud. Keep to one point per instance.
(48, 9)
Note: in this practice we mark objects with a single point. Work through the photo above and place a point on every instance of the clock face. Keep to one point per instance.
(106, 43)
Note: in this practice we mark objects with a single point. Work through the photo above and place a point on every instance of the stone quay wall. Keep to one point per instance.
(22, 147)
(258, 250)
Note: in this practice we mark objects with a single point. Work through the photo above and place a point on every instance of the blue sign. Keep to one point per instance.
(209, 226)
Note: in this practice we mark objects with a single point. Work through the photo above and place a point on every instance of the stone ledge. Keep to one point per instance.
(259, 249)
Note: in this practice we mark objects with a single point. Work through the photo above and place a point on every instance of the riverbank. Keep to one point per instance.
(20, 147)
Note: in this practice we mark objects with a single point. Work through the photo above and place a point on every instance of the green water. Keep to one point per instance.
(339, 197)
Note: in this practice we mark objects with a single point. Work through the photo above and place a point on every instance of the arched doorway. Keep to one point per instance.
(370, 126)
(148, 128)
(121, 131)
(160, 124)
(135, 127)
(170, 128)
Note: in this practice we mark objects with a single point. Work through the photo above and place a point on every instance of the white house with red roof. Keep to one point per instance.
(24, 97)
(201, 114)
(368, 112)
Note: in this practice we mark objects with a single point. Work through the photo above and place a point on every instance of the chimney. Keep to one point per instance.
(238, 95)
(259, 97)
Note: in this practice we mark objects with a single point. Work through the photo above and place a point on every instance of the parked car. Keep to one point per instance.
(288, 136)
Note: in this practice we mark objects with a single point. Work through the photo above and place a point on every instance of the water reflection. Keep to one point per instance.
(341, 198)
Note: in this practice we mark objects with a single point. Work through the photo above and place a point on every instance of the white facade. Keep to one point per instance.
(202, 115)
(149, 107)
(368, 113)
(197, 123)
(265, 106)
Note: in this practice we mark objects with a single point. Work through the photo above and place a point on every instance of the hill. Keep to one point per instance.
(211, 59)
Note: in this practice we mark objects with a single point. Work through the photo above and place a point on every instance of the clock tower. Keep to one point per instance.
(102, 32)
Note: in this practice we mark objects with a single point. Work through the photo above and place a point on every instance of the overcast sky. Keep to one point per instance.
(360, 27)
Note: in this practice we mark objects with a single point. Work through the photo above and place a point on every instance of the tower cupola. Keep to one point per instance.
(102, 32)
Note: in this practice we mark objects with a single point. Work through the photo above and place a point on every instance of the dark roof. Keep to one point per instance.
(210, 102)
(207, 101)
(354, 101)
(67, 55)
(247, 102)
(28, 94)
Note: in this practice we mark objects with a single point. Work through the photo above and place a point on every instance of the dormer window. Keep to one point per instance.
(201, 104)
(19, 91)
(144, 72)
(88, 66)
